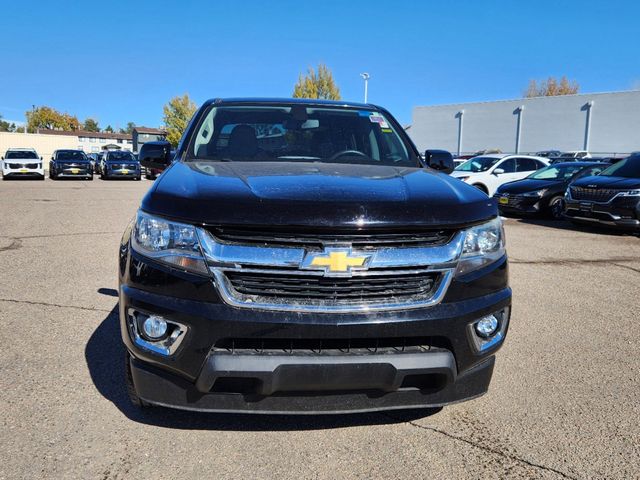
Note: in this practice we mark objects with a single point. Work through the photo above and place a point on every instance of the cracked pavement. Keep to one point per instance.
(564, 401)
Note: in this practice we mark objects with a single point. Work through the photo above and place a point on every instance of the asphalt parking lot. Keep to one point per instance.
(564, 402)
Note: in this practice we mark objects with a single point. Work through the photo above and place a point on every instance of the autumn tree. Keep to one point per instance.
(551, 87)
(177, 113)
(91, 125)
(318, 84)
(49, 118)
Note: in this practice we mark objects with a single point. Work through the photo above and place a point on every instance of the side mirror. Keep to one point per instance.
(156, 155)
(498, 171)
(439, 160)
(40, 158)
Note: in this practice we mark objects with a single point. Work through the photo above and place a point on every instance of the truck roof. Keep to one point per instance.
(300, 101)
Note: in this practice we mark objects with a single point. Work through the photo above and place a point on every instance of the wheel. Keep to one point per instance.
(481, 187)
(138, 178)
(90, 177)
(52, 175)
(42, 177)
(103, 176)
(131, 388)
(556, 207)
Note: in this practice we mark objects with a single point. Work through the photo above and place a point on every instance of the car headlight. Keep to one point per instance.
(464, 179)
(630, 193)
(173, 243)
(483, 245)
(535, 193)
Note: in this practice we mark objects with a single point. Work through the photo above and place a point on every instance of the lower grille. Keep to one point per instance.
(358, 289)
(593, 194)
(329, 346)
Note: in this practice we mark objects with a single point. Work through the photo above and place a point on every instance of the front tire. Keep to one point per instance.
(131, 388)
(556, 207)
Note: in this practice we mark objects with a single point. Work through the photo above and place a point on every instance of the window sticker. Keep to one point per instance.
(379, 120)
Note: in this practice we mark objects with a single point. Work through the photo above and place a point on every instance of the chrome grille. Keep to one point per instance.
(601, 195)
(318, 237)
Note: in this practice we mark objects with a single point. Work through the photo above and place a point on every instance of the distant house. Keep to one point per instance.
(142, 135)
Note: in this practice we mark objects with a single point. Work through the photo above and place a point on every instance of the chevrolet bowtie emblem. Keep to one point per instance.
(335, 261)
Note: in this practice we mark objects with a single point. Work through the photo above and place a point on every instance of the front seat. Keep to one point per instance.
(242, 142)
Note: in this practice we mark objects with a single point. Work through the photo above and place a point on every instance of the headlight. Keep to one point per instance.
(169, 242)
(535, 193)
(483, 245)
(630, 193)
(464, 179)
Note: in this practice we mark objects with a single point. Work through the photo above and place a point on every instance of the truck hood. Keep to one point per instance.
(314, 194)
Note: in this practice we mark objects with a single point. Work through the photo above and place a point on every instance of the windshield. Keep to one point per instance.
(70, 155)
(118, 156)
(478, 164)
(21, 154)
(555, 172)
(298, 133)
(627, 168)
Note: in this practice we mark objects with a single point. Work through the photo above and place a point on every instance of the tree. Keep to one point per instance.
(49, 118)
(91, 125)
(317, 85)
(551, 87)
(6, 126)
(177, 113)
(129, 129)
(109, 129)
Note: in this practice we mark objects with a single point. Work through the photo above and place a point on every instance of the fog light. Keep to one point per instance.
(154, 327)
(487, 326)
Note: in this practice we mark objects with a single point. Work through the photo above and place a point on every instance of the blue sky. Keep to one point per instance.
(120, 61)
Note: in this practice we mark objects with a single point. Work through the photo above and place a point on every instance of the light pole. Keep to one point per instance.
(365, 76)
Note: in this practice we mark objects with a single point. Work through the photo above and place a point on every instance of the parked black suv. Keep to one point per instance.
(119, 164)
(542, 192)
(298, 257)
(612, 198)
(70, 163)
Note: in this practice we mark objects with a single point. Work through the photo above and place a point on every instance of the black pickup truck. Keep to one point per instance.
(300, 256)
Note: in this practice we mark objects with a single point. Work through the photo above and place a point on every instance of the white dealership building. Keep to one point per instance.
(601, 123)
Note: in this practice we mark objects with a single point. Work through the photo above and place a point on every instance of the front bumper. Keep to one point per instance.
(519, 204)
(74, 172)
(23, 173)
(621, 212)
(123, 172)
(209, 372)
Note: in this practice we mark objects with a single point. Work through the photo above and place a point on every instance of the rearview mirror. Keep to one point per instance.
(440, 160)
(498, 171)
(156, 155)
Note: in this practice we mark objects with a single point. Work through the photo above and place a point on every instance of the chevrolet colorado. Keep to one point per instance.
(299, 256)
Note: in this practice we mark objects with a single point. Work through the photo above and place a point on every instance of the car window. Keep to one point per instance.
(509, 165)
(527, 165)
(298, 133)
(70, 155)
(20, 154)
(591, 171)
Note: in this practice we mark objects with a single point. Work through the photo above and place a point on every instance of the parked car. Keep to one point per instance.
(575, 155)
(611, 198)
(119, 164)
(295, 258)
(488, 172)
(486, 151)
(94, 159)
(22, 163)
(542, 192)
(548, 153)
(70, 163)
(152, 173)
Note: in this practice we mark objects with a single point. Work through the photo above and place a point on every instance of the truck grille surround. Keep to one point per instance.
(274, 269)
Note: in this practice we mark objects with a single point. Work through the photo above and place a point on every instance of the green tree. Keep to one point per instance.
(109, 129)
(6, 126)
(49, 118)
(318, 84)
(91, 125)
(551, 87)
(177, 113)
(129, 129)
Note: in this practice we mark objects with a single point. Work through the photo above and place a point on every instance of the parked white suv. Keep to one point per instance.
(488, 172)
(22, 162)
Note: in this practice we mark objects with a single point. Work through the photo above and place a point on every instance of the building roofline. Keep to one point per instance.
(526, 99)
